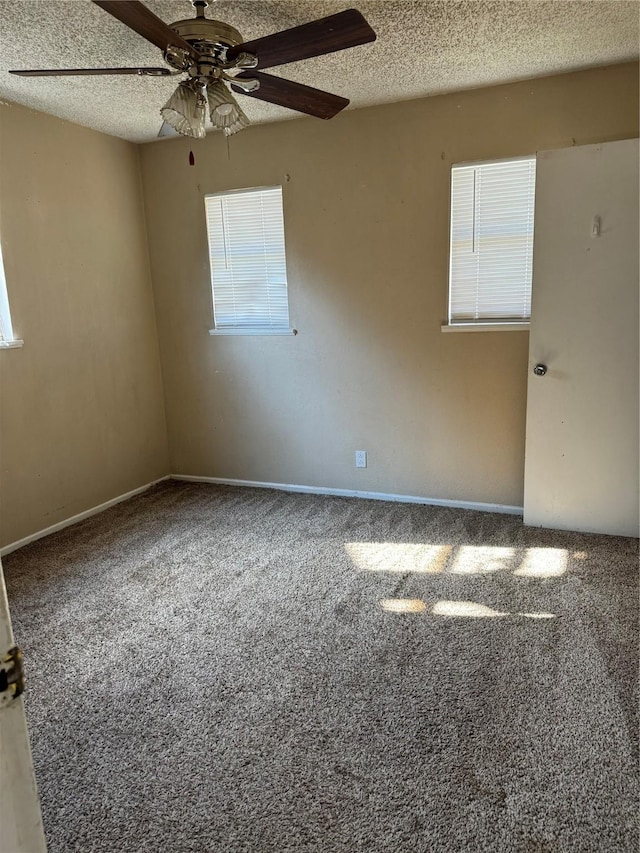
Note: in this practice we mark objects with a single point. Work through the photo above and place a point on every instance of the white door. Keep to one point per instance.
(20, 821)
(581, 460)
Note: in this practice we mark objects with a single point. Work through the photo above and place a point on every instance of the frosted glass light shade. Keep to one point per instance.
(185, 111)
(224, 110)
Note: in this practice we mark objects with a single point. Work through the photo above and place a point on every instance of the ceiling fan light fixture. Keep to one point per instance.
(185, 111)
(224, 110)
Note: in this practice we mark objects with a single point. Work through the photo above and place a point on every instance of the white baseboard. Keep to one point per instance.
(351, 493)
(13, 546)
(283, 487)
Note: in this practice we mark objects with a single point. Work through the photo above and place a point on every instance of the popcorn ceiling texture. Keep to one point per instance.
(423, 48)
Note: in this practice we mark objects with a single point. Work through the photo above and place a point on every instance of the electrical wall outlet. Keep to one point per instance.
(361, 458)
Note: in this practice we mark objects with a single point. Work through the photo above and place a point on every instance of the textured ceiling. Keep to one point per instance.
(423, 48)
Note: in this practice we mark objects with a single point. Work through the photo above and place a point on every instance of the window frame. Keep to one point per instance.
(247, 330)
(6, 321)
(494, 324)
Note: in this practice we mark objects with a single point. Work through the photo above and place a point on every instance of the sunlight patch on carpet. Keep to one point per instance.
(482, 559)
(543, 563)
(475, 610)
(399, 556)
(403, 605)
(422, 558)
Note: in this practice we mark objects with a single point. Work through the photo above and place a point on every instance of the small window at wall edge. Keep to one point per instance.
(7, 336)
(491, 245)
(247, 261)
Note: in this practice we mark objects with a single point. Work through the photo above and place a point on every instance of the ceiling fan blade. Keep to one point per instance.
(136, 16)
(295, 96)
(326, 35)
(81, 72)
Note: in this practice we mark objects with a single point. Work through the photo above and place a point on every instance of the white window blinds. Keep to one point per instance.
(492, 208)
(247, 258)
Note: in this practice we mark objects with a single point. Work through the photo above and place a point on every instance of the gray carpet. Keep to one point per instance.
(223, 669)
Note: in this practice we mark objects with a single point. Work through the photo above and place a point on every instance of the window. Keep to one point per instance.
(490, 264)
(7, 337)
(248, 264)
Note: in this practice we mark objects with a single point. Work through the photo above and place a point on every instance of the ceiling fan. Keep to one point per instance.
(215, 59)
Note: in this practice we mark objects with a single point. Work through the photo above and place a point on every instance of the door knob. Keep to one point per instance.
(540, 369)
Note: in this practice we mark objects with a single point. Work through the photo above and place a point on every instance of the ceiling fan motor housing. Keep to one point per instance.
(209, 38)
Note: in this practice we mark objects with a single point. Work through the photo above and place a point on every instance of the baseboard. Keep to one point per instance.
(283, 487)
(13, 546)
(351, 493)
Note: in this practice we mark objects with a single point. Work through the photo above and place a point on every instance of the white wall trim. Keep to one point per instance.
(13, 546)
(234, 330)
(257, 484)
(351, 493)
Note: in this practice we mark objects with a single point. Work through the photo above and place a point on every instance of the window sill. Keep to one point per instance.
(11, 344)
(240, 331)
(484, 327)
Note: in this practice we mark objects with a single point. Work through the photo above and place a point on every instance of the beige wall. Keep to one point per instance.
(82, 413)
(366, 222)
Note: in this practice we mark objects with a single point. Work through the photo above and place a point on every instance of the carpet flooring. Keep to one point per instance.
(216, 669)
